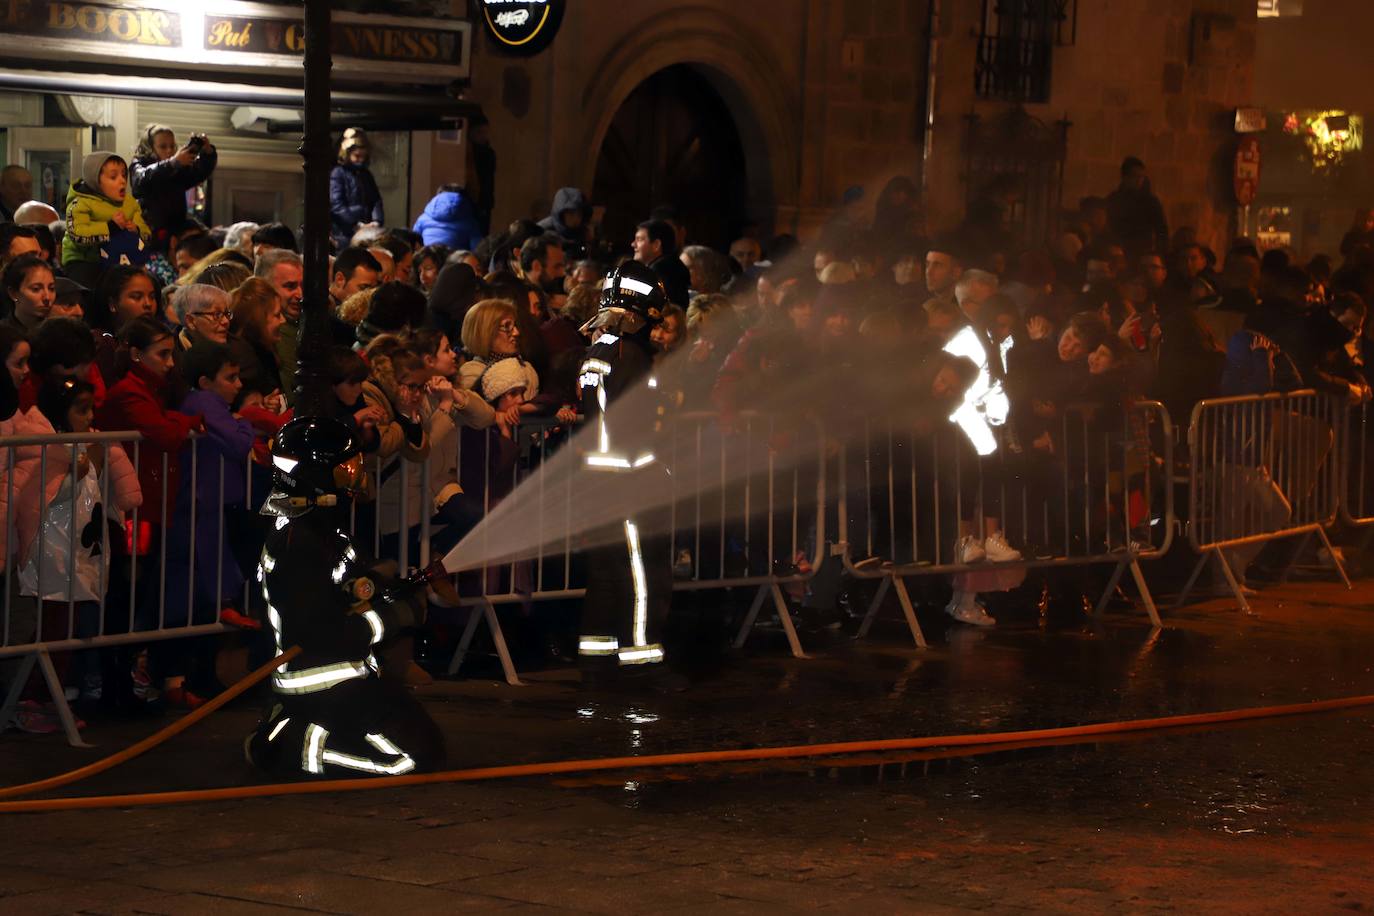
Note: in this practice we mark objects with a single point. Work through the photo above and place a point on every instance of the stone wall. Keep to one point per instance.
(827, 94)
(830, 94)
(1157, 79)
(550, 112)
(865, 99)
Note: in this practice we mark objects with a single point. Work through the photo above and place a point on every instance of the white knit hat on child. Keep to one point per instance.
(504, 376)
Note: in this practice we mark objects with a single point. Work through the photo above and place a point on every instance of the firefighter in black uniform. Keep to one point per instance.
(629, 577)
(330, 712)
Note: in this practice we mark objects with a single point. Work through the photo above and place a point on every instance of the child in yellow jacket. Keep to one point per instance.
(105, 224)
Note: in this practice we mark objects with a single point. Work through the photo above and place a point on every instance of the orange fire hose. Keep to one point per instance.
(152, 741)
(971, 743)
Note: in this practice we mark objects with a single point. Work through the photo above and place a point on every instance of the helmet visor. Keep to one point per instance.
(614, 320)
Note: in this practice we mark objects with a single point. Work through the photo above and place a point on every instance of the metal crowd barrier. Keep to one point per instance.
(1263, 467)
(1098, 494)
(763, 530)
(1357, 497)
(147, 566)
(135, 570)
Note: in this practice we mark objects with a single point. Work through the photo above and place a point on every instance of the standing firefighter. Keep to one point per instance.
(629, 578)
(331, 714)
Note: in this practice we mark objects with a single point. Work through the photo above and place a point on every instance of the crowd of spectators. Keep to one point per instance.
(128, 315)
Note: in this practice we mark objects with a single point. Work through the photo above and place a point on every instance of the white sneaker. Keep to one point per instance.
(972, 612)
(998, 550)
(969, 549)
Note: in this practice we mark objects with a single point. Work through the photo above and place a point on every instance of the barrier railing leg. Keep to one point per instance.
(780, 605)
(1139, 575)
(1293, 557)
(498, 637)
(59, 700)
(1231, 580)
(883, 585)
(21, 677)
(469, 630)
(1112, 583)
(748, 625)
(1192, 580)
(485, 610)
(1335, 557)
(904, 597)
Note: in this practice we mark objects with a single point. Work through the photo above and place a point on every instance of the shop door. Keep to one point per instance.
(673, 142)
(53, 157)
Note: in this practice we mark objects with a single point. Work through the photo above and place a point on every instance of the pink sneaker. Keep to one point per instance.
(32, 719)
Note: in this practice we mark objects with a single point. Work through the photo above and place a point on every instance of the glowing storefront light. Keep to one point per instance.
(1328, 135)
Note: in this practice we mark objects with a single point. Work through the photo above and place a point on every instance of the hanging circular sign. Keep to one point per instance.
(522, 26)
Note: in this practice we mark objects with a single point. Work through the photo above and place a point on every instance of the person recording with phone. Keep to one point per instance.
(162, 173)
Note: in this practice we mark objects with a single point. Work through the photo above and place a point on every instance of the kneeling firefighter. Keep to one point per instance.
(629, 576)
(331, 714)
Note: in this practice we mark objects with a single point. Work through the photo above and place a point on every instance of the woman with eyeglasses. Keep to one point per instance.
(204, 312)
(490, 334)
(396, 387)
(394, 392)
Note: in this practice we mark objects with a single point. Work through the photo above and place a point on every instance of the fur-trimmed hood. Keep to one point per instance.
(381, 378)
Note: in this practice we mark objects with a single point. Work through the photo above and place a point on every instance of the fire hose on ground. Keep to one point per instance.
(954, 745)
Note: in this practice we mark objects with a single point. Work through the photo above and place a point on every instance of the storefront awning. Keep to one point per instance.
(411, 112)
(407, 70)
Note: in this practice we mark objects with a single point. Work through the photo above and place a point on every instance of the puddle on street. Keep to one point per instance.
(1239, 779)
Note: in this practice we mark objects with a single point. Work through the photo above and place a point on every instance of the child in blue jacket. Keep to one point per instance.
(203, 580)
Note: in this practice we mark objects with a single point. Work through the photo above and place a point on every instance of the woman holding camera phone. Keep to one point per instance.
(160, 176)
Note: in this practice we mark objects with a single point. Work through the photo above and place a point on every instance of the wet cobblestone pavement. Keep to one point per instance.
(1271, 816)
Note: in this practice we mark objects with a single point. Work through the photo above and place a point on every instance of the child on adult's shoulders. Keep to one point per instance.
(105, 224)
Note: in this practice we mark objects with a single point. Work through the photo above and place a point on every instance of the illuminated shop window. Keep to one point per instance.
(1329, 135)
(1274, 227)
(1269, 9)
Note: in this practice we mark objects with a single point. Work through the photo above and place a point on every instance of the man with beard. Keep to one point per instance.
(544, 264)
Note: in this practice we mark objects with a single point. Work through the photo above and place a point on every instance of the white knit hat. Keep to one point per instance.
(504, 376)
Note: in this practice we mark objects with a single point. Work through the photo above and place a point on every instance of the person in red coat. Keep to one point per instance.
(138, 402)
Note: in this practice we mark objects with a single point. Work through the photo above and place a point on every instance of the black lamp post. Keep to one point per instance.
(317, 151)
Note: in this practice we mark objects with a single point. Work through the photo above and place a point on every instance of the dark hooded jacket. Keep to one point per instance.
(353, 199)
(567, 199)
(160, 185)
(450, 219)
(1137, 220)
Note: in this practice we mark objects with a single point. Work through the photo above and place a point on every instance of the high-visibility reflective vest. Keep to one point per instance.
(985, 404)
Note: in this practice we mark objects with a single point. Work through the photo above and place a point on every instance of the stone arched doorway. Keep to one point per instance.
(727, 54)
(674, 141)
